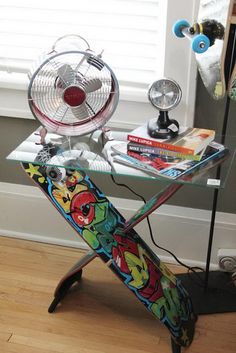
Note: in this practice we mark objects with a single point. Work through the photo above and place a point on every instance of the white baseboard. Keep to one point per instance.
(25, 213)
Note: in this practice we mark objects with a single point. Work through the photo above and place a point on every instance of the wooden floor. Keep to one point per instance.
(98, 316)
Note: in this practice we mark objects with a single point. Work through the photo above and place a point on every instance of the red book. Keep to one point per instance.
(189, 141)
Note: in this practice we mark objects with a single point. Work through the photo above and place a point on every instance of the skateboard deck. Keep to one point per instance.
(211, 63)
(232, 81)
(232, 85)
(210, 33)
(99, 223)
(75, 273)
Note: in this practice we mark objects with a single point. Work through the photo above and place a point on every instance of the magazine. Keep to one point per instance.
(134, 147)
(169, 168)
(189, 140)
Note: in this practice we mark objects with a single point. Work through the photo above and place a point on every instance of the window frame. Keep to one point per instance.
(133, 108)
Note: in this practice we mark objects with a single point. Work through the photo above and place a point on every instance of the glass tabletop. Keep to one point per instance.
(105, 151)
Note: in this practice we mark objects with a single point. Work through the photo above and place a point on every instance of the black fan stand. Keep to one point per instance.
(218, 293)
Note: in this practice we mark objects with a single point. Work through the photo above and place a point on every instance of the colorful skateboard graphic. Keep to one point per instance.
(97, 221)
(232, 85)
(232, 81)
(209, 37)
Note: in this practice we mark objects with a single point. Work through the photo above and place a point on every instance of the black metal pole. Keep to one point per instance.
(210, 239)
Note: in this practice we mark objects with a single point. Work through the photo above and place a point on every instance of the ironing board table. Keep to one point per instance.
(60, 168)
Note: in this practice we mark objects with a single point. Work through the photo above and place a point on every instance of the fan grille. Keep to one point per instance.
(71, 94)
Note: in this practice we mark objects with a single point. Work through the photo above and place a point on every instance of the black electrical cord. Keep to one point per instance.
(192, 269)
(127, 187)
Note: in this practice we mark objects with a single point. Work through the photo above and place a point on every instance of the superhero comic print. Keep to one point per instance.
(98, 222)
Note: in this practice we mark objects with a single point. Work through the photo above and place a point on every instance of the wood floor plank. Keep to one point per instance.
(98, 316)
(11, 347)
(5, 336)
(90, 341)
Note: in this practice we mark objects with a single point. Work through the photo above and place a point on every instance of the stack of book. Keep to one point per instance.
(191, 150)
(189, 144)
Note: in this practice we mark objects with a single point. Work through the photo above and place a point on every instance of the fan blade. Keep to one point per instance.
(66, 74)
(81, 112)
(92, 85)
